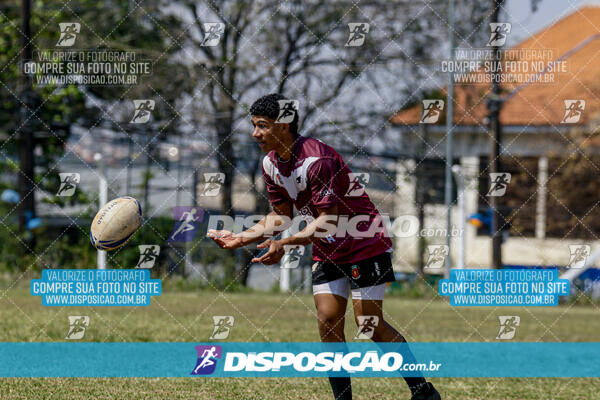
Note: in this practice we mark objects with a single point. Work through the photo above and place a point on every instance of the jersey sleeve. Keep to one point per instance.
(273, 191)
(324, 179)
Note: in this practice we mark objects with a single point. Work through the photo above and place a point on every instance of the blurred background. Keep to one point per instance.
(366, 101)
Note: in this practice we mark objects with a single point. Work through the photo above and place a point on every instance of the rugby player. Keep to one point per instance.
(310, 175)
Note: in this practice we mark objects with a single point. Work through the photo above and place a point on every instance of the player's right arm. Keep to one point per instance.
(271, 224)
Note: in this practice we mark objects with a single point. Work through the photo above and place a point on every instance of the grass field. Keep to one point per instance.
(186, 317)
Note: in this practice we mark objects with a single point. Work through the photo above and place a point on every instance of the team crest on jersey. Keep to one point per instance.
(355, 272)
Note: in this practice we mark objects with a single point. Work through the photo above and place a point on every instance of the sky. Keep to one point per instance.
(525, 23)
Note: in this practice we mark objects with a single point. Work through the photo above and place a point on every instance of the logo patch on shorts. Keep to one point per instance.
(355, 272)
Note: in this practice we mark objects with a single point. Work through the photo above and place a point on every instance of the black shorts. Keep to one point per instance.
(370, 272)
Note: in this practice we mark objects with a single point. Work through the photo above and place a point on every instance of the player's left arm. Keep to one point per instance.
(325, 224)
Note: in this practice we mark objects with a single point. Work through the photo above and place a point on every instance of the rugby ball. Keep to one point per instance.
(115, 223)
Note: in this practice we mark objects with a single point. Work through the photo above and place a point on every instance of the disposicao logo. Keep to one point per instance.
(308, 361)
(251, 359)
(207, 359)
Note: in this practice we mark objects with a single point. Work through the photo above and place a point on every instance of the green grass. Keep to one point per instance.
(186, 316)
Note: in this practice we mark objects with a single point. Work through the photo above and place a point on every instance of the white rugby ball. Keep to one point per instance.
(115, 223)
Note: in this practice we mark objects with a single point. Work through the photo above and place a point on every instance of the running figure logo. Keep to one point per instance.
(437, 255)
(68, 33)
(579, 255)
(358, 182)
(68, 183)
(293, 253)
(212, 33)
(358, 34)
(432, 109)
(207, 359)
(500, 31)
(186, 223)
(142, 111)
(148, 255)
(212, 183)
(508, 326)
(287, 111)
(366, 326)
(77, 326)
(498, 183)
(573, 111)
(222, 326)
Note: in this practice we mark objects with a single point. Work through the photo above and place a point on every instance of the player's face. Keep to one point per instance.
(267, 133)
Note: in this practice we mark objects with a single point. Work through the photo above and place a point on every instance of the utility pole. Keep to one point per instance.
(460, 188)
(494, 104)
(102, 200)
(25, 134)
(129, 162)
(449, 133)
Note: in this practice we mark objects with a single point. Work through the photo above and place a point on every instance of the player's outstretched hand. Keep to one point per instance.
(273, 255)
(225, 239)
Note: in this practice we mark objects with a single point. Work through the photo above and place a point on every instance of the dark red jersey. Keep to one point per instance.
(316, 177)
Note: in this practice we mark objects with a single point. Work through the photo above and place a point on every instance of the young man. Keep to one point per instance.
(310, 175)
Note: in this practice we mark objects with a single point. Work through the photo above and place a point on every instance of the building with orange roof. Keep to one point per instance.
(552, 89)
(533, 107)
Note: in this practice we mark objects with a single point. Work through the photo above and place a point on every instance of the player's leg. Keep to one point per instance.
(331, 310)
(331, 300)
(368, 301)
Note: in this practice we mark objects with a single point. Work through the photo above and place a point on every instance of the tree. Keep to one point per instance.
(30, 117)
(54, 109)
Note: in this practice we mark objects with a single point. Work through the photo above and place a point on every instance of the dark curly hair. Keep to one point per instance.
(268, 106)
